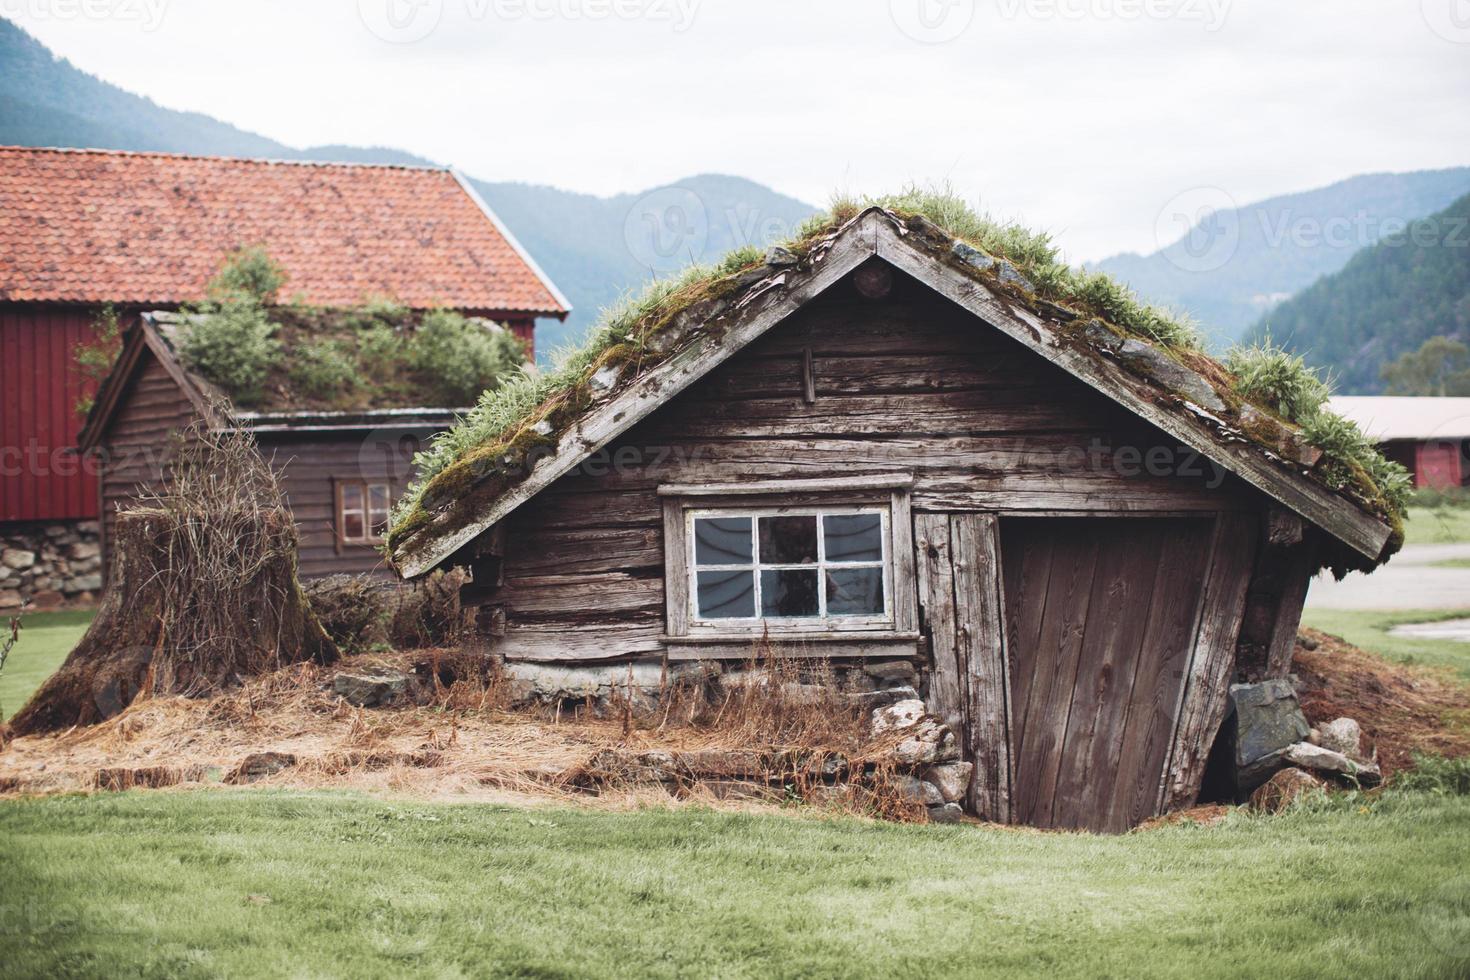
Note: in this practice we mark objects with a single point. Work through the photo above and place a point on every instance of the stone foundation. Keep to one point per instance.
(49, 565)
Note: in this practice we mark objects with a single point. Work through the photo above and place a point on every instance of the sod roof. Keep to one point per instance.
(522, 437)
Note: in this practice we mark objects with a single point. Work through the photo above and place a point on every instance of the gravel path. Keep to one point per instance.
(1408, 581)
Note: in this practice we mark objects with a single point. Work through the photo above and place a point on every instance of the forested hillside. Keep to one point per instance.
(1387, 301)
(1260, 254)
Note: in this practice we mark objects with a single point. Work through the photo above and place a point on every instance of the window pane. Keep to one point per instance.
(726, 595)
(352, 526)
(853, 537)
(378, 497)
(789, 592)
(722, 541)
(855, 591)
(351, 496)
(788, 540)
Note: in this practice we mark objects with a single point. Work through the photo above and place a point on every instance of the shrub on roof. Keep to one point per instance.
(463, 358)
(248, 273)
(234, 345)
(322, 369)
(1277, 379)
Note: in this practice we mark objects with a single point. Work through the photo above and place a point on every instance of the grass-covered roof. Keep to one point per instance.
(1261, 394)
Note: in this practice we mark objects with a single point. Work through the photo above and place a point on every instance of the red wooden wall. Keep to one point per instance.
(1437, 464)
(39, 389)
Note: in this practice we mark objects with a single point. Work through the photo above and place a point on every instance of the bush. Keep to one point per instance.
(323, 368)
(463, 358)
(1436, 774)
(379, 351)
(234, 345)
(428, 615)
(353, 609)
(248, 274)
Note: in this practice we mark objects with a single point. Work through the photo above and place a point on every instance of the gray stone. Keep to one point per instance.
(893, 673)
(1342, 735)
(928, 742)
(897, 716)
(1102, 336)
(915, 790)
(542, 428)
(83, 583)
(780, 258)
(946, 813)
(10, 599)
(604, 379)
(952, 779)
(1011, 276)
(971, 256)
(17, 559)
(879, 699)
(1159, 366)
(1317, 759)
(601, 688)
(372, 687)
(1265, 720)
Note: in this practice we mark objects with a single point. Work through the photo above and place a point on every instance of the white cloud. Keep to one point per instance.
(1082, 116)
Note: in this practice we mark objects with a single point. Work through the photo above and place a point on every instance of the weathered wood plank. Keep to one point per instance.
(935, 580)
(1301, 565)
(676, 572)
(1213, 660)
(975, 544)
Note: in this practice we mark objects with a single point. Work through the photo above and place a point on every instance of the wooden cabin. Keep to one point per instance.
(341, 465)
(889, 449)
(1429, 437)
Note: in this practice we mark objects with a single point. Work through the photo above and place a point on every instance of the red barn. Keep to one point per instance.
(85, 229)
(1430, 437)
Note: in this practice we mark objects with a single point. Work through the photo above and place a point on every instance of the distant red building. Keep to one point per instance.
(80, 229)
(1429, 436)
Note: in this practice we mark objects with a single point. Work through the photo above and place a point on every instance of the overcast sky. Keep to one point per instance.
(1084, 117)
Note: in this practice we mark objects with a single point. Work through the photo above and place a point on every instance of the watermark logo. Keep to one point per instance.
(148, 14)
(400, 21)
(1450, 19)
(1199, 230)
(1444, 917)
(388, 451)
(1211, 13)
(932, 21)
(667, 229)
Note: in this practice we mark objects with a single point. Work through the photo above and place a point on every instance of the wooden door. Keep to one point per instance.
(1101, 617)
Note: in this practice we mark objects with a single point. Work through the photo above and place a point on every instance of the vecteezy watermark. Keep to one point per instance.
(667, 229)
(1444, 917)
(671, 228)
(932, 21)
(148, 14)
(1211, 13)
(1450, 19)
(1199, 230)
(407, 21)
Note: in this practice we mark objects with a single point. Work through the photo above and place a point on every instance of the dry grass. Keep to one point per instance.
(462, 740)
(1406, 710)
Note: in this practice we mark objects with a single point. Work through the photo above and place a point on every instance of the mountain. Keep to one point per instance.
(1235, 265)
(1385, 302)
(594, 248)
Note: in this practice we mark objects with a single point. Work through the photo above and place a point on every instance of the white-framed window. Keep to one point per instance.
(362, 512)
(818, 567)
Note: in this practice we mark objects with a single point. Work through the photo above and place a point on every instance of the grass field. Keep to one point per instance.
(252, 883)
(1438, 525)
(1369, 629)
(45, 640)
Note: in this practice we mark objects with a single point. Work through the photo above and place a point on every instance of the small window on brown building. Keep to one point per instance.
(362, 512)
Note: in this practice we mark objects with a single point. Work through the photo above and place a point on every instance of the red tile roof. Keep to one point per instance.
(90, 226)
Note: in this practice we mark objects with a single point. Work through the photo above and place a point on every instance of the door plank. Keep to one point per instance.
(975, 541)
(935, 576)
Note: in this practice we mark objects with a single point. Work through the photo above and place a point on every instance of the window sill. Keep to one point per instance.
(842, 644)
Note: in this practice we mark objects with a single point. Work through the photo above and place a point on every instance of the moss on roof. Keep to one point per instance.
(472, 464)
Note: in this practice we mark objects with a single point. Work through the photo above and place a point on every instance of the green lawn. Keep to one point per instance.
(45, 640)
(1438, 525)
(1369, 629)
(252, 883)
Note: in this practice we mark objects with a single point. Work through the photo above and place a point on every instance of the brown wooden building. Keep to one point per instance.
(889, 449)
(341, 470)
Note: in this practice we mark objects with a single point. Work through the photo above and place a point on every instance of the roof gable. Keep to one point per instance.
(620, 403)
(151, 229)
